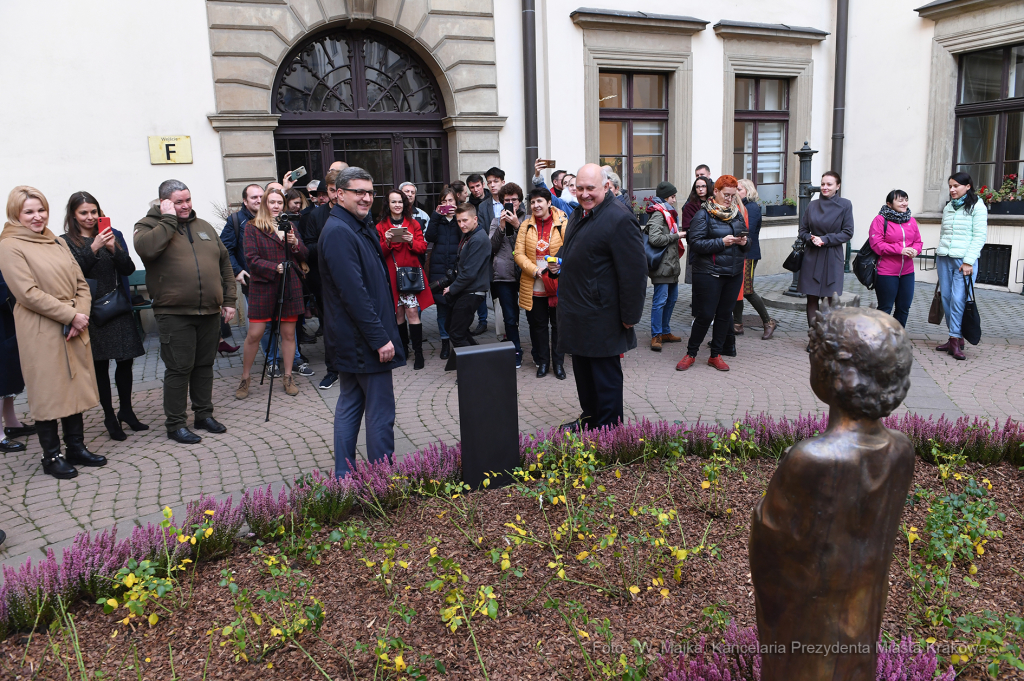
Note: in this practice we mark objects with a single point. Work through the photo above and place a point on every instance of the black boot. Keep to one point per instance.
(403, 333)
(53, 463)
(416, 335)
(74, 443)
(113, 424)
(123, 378)
(126, 415)
(446, 348)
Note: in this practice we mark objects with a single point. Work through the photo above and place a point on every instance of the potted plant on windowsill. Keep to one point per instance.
(776, 210)
(1007, 200)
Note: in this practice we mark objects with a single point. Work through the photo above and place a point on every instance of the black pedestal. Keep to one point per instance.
(488, 412)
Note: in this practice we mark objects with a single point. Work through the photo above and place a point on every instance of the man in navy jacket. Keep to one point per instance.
(361, 334)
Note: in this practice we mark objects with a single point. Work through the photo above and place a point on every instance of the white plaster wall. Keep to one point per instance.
(508, 46)
(887, 97)
(85, 84)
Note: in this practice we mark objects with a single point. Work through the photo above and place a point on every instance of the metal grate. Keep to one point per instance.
(994, 265)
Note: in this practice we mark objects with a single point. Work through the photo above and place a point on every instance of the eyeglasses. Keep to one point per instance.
(359, 192)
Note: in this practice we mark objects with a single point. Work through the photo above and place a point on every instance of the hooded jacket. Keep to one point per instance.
(188, 270)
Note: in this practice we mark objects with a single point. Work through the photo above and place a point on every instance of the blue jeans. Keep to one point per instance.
(954, 293)
(898, 290)
(481, 311)
(507, 293)
(374, 395)
(273, 353)
(442, 317)
(664, 303)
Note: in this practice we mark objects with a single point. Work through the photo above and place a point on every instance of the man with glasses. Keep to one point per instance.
(361, 333)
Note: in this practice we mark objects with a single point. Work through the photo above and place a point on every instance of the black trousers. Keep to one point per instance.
(188, 346)
(460, 318)
(599, 386)
(540, 317)
(713, 301)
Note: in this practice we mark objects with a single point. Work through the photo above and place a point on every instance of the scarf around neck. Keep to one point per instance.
(720, 213)
(958, 203)
(894, 216)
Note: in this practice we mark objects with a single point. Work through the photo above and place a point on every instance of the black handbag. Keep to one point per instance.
(795, 259)
(409, 279)
(654, 255)
(865, 265)
(109, 306)
(970, 325)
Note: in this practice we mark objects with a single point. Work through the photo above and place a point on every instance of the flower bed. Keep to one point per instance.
(398, 560)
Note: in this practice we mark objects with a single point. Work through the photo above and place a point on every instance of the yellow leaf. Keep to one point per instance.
(582, 633)
(399, 663)
(130, 580)
(981, 549)
(112, 603)
(209, 531)
(664, 593)
(208, 512)
(561, 574)
(275, 631)
(192, 540)
(973, 569)
(705, 484)
(148, 660)
(257, 619)
(582, 555)
(270, 665)
(618, 473)
(955, 659)
(153, 619)
(402, 564)
(930, 639)
(634, 590)
(433, 551)
(114, 635)
(182, 539)
(505, 565)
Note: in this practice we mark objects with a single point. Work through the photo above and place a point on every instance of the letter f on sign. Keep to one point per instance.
(169, 149)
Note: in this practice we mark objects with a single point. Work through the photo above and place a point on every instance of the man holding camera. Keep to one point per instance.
(602, 284)
(191, 282)
(361, 333)
(472, 278)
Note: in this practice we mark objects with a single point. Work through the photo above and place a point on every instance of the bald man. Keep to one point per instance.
(602, 284)
(339, 166)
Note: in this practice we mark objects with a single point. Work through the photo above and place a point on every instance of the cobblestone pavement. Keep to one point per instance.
(148, 471)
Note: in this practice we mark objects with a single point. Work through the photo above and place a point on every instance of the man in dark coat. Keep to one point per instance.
(310, 228)
(602, 283)
(361, 333)
(472, 279)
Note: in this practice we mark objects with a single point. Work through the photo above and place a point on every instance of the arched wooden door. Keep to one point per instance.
(366, 99)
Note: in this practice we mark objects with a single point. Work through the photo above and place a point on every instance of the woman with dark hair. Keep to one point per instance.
(894, 236)
(294, 201)
(714, 237)
(443, 232)
(963, 233)
(52, 316)
(103, 257)
(265, 244)
(401, 240)
(825, 226)
(700, 193)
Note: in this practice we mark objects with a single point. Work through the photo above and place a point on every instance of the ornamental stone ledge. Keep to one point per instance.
(641, 22)
(742, 30)
(943, 9)
(243, 121)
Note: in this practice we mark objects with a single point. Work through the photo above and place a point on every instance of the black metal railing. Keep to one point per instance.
(994, 265)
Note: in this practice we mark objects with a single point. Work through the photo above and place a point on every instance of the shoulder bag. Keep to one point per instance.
(935, 312)
(865, 265)
(107, 307)
(796, 258)
(408, 279)
(970, 325)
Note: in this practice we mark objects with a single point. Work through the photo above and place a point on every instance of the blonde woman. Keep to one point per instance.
(265, 253)
(52, 324)
(748, 193)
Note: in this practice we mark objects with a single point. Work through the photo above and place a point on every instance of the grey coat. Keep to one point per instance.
(821, 273)
(503, 262)
(659, 236)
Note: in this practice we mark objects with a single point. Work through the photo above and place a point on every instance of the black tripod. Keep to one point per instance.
(274, 344)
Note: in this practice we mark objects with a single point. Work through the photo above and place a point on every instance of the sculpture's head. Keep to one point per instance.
(860, 361)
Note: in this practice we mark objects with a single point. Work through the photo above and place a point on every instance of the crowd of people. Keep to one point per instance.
(575, 256)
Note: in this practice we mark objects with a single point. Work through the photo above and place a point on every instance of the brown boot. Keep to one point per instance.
(958, 350)
(656, 342)
(290, 388)
(949, 345)
(738, 329)
(670, 338)
(243, 389)
(769, 329)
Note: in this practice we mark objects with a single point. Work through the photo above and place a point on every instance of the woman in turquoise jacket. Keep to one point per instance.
(963, 233)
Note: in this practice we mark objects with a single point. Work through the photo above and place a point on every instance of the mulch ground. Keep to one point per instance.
(528, 640)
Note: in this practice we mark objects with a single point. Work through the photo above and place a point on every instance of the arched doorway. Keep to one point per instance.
(366, 99)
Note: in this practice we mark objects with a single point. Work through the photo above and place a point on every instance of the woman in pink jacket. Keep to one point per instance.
(894, 236)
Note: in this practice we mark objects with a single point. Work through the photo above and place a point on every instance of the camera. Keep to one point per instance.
(285, 220)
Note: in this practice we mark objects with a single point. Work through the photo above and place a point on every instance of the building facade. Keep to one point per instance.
(433, 90)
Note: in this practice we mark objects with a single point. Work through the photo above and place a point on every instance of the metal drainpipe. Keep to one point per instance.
(839, 97)
(530, 82)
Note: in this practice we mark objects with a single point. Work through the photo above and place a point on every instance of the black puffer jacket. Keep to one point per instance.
(710, 254)
(445, 236)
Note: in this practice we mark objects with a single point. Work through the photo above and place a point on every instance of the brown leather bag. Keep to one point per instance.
(935, 313)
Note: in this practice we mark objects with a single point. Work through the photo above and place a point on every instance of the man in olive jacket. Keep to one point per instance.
(602, 284)
(189, 278)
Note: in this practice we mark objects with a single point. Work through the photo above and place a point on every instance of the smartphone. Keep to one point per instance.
(509, 208)
(298, 172)
(546, 163)
(743, 233)
(67, 330)
(398, 232)
(445, 210)
(509, 230)
(104, 224)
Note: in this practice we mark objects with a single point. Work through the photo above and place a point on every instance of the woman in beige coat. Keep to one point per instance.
(52, 322)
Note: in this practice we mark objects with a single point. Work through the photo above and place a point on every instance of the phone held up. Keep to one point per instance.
(546, 163)
(446, 210)
(298, 172)
(104, 224)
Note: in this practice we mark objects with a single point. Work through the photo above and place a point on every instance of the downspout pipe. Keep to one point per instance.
(839, 96)
(530, 82)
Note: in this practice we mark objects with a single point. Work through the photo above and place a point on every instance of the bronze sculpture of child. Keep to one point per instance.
(822, 537)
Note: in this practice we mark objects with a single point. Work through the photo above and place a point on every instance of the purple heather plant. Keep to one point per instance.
(904, 661)
(264, 513)
(379, 486)
(326, 499)
(224, 518)
(438, 462)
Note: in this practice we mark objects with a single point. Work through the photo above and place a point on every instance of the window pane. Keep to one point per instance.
(770, 194)
(745, 94)
(1017, 72)
(648, 137)
(648, 171)
(983, 76)
(769, 168)
(613, 138)
(609, 91)
(977, 142)
(743, 137)
(374, 155)
(617, 163)
(424, 168)
(743, 166)
(771, 137)
(773, 95)
(1014, 134)
(983, 175)
(648, 91)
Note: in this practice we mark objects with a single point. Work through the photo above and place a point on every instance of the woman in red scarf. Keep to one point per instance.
(401, 239)
(663, 232)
